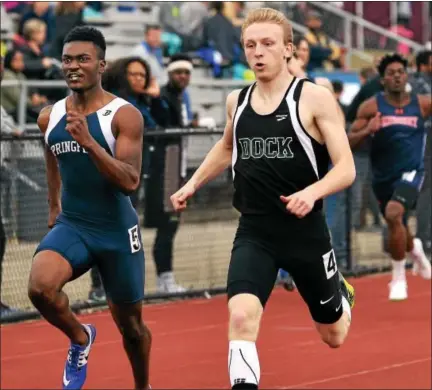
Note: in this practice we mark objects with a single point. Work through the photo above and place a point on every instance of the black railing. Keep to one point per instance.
(202, 245)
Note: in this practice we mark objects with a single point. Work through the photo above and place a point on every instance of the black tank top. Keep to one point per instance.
(273, 154)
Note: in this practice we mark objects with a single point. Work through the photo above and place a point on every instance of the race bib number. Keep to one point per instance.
(134, 239)
(330, 265)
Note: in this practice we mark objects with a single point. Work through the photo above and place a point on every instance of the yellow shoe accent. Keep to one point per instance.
(349, 290)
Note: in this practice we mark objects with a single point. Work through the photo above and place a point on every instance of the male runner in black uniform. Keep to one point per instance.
(279, 134)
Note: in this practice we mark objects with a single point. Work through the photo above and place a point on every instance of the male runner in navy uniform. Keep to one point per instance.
(393, 120)
(279, 134)
(93, 153)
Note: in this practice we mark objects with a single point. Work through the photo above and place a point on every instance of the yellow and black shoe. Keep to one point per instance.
(347, 290)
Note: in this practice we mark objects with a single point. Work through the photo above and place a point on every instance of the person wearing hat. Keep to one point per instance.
(167, 171)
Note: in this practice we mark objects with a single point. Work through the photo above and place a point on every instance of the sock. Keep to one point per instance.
(346, 307)
(243, 364)
(398, 272)
(417, 250)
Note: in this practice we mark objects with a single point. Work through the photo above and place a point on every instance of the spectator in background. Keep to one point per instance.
(368, 199)
(369, 89)
(36, 63)
(167, 172)
(420, 83)
(175, 93)
(361, 154)
(169, 17)
(193, 15)
(10, 96)
(40, 10)
(186, 20)
(298, 63)
(222, 36)
(302, 50)
(421, 80)
(361, 185)
(7, 127)
(38, 66)
(150, 50)
(323, 53)
(171, 23)
(235, 12)
(16, 7)
(403, 30)
(366, 74)
(68, 14)
(131, 79)
(338, 91)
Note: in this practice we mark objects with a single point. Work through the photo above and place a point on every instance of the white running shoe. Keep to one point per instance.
(421, 264)
(166, 283)
(398, 290)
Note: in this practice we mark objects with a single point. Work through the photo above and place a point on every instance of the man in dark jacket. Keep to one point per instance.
(420, 83)
(361, 158)
(167, 171)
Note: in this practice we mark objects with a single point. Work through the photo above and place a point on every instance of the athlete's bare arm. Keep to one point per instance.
(425, 102)
(331, 127)
(320, 115)
(52, 170)
(367, 122)
(217, 160)
(124, 168)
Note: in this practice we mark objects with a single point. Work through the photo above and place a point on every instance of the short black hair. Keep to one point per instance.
(337, 86)
(299, 39)
(88, 34)
(422, 58)
(217, 6)
(8, 58)
(390, 59)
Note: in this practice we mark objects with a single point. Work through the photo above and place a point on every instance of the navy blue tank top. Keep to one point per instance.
(87, 196)
(399, 145)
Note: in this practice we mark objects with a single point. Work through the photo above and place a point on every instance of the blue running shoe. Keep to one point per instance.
(75, 372)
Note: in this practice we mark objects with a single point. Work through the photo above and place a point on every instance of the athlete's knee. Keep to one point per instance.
(334, 338)
(245, 315)
(40, 291)
(394, 213)
(334, 335)
(132, 327)
(135, 331)
(48, 274)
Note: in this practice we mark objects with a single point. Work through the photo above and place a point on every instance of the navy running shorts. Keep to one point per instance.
(118, 253)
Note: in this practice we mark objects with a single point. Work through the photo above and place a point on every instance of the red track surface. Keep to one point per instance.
(389, 346)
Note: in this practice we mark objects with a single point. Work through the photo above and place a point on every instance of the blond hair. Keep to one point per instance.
(269, 15)
(32, 26)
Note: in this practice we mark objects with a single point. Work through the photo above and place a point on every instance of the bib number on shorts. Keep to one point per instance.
(330, 265)
(135, 242)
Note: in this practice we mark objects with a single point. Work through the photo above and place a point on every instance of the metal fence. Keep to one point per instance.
(204, 239)
(202, 245)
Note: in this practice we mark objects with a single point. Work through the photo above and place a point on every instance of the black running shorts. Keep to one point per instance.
(264, 244)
